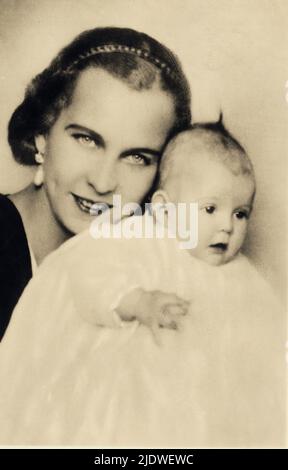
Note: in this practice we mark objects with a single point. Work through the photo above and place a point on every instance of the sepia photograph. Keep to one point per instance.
(143, 216)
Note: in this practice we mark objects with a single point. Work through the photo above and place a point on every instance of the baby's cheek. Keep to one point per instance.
(205, 232)
(238, 240)
(243, 233)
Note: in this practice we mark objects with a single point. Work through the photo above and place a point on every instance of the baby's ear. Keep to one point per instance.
(160, 201)
(160, 197)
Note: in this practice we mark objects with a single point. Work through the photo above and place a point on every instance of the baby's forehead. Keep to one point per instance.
(192, 149)
(190, 154)
(194, 161)
(217, 183)
(196, 142)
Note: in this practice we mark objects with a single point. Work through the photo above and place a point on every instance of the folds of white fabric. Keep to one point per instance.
(218, 381)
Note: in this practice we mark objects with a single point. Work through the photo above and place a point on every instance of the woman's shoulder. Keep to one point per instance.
(8, 210)
(15, 264)
(5, 205)
(10, 222)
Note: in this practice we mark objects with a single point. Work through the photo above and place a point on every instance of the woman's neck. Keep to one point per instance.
(43, 231)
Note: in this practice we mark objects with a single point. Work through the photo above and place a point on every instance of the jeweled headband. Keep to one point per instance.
(108, 48)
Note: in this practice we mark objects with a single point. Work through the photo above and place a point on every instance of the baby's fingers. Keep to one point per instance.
(172, 322)
(154, 327)
(175, 309)
(168, 298)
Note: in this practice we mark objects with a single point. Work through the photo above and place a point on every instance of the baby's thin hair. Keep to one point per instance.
(213, 137)
(218, 128)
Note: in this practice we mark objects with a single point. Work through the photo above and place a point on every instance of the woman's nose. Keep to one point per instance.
(104, 177)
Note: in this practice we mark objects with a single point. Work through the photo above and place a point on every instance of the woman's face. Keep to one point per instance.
(106, 142)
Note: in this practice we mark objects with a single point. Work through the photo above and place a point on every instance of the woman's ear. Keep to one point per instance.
(40, 143)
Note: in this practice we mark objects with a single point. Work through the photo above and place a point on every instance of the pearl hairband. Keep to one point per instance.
(107, 48)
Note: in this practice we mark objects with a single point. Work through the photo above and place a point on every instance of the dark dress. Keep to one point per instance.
(15, 261)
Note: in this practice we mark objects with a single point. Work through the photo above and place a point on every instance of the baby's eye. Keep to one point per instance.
(85, 140)
(138, 159)
(210, 209)
(241, 215)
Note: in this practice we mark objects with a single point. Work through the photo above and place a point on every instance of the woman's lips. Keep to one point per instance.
(91, 207)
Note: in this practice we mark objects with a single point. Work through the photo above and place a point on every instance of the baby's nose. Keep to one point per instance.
(226, 224)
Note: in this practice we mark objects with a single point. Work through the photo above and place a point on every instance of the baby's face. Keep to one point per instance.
(224, 206)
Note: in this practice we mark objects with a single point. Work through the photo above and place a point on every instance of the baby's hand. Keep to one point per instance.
(161, 309)
(153, 308)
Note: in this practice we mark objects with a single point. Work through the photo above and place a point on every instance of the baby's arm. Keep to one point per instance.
(110, 306)
(152, 308)
(105, 279)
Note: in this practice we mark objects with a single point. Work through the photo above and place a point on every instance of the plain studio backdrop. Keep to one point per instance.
(234, 53)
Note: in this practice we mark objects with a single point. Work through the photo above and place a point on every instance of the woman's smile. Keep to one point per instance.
(91, 207)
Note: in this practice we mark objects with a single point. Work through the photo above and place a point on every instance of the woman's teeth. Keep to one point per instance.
(91, 207)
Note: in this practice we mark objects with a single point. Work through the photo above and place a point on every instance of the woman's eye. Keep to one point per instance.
(241, 215)
(84, 140)
(210, 209)
(138, 159)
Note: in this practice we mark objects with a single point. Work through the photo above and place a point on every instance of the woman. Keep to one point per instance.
(94, 122)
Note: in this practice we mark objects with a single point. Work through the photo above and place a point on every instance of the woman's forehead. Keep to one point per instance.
(109, 106)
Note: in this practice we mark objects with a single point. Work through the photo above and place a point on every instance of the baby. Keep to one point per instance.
(207, 166)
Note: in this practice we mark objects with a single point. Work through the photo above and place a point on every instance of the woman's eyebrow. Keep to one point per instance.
(95, 136)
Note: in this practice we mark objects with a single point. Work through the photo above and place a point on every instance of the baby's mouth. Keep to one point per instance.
(91, 207)
(219, 247)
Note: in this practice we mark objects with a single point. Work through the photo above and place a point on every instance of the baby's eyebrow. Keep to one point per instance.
(208, 199)
(95, 136)
(155, 153)
(245, 207)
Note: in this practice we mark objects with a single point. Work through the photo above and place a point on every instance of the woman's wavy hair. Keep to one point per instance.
(129, 55)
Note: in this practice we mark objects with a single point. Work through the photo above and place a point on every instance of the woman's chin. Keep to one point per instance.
(72, 218)
(77, 225)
